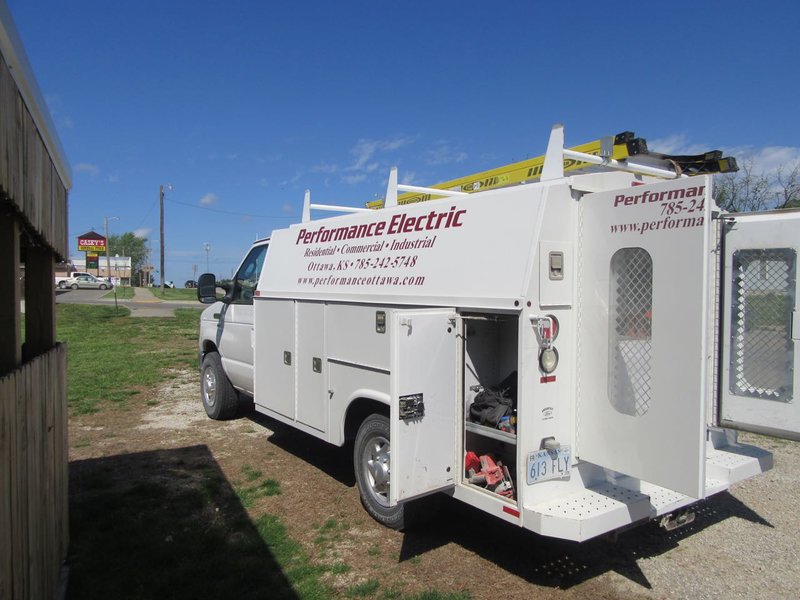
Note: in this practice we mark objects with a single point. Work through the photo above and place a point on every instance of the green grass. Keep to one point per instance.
(175, 293)
(250, 473)
(113, 357)
(363, 590)
(248, 495)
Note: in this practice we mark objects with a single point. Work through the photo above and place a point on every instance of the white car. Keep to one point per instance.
(63, 281)
(88, 282)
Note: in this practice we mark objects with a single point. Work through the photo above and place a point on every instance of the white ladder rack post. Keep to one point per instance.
(393, 187)
(307, 208)
(556, 153)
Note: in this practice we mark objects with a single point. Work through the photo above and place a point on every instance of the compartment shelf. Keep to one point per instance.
(490, 432)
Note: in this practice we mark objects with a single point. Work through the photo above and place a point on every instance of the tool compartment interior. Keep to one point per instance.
(490, 402)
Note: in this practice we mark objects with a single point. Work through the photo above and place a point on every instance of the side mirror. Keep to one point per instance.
(207, 288)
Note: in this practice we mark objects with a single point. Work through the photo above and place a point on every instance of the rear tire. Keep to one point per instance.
(371, 454)
(219, 397)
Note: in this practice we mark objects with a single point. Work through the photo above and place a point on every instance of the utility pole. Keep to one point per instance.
(108, 261)
(207, 248)
(161, 241)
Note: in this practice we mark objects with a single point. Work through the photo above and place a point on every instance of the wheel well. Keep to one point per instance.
(209, 346)
(359, 410)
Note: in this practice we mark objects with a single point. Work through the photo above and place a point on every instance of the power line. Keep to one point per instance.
(231, 212)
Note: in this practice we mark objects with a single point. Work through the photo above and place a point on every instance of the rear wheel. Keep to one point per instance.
(219, 397)
(371, 455)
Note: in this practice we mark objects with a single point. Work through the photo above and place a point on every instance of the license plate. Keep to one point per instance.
(548, 464)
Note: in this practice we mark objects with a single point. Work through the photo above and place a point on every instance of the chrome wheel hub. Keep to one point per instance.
(375, 461)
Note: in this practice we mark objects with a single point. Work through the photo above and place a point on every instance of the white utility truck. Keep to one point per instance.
(571, 354)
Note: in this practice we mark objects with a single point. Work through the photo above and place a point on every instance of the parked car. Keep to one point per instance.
(169, 284)
(88, 282)
(63, 281)
(190, 283)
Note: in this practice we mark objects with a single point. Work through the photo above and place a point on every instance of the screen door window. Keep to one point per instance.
(763, 298)
(630, 335)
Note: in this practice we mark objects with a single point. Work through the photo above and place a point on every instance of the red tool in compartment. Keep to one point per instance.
(483, 471)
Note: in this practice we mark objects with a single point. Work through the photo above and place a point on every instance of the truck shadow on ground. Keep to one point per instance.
(328, 459)
(165, 524)
(539, 560)
(559, 563)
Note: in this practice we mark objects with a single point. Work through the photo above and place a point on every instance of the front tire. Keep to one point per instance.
(74, 286)
(219, 397)
(102, 286)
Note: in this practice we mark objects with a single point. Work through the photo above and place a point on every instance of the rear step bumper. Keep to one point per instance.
(606, 507)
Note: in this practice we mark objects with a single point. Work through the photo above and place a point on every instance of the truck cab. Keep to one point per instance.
(226, 334)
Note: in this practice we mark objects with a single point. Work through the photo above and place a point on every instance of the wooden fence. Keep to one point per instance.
(33, 476)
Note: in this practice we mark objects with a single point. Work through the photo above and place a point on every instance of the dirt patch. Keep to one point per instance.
(740, 542)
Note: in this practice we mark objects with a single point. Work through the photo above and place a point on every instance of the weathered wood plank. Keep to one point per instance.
(10, 319)
(8, 394)
(19, 491)
(33, 405)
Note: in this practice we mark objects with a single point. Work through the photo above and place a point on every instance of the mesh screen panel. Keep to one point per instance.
(762, 352)
(630, 351)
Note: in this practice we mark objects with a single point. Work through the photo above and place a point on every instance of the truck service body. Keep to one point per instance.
(625, 319)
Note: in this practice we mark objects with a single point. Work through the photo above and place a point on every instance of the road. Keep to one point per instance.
(144, 303)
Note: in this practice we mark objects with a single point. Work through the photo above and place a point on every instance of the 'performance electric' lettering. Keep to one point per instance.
(647, 196)
(400, 223)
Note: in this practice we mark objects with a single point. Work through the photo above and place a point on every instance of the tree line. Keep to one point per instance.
(751, 189)
(127, 244)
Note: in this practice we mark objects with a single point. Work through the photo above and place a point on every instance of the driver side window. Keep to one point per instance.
(247, 277)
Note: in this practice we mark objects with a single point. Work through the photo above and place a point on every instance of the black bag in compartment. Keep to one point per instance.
(492, 404)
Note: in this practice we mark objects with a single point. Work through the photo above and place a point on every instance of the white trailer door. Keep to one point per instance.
(423, 411)
(642, 336)
(760, 358)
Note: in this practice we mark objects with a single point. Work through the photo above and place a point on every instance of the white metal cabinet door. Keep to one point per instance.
(312, 397)
(761, 358)
(643, 332)
(275, 355)
(423, 385)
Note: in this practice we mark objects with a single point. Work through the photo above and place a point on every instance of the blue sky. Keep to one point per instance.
(243, 105)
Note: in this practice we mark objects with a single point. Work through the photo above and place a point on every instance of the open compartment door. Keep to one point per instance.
(643, 332)
(423, 412)
(759, 388)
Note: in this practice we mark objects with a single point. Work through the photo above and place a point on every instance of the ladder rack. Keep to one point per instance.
(623, 152)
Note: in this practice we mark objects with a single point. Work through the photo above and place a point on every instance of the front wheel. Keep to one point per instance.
(74, 286)
(219, 397)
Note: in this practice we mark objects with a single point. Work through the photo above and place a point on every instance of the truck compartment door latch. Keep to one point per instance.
(411, 407)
